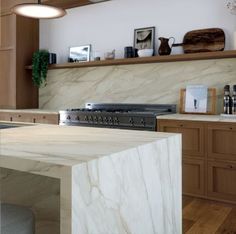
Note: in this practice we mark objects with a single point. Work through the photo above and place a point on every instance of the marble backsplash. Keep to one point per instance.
(147, 83)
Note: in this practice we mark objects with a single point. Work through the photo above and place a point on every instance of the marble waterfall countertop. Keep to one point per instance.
(112, 181)
(205, 118)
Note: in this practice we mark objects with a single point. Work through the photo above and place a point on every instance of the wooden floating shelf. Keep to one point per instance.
(154, 59)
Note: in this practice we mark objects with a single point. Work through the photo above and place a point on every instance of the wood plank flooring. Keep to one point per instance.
(207, 217)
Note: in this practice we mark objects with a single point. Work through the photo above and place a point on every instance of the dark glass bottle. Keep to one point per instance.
(234, 100)
(227, 100)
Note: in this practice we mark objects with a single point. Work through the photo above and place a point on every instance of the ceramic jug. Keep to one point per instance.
(165, 48)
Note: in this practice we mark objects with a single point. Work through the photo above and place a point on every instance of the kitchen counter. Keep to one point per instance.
(111, 181)
(205, 118)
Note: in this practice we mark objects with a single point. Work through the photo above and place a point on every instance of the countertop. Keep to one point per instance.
(111, 180)
(205, 118)
(70, 145)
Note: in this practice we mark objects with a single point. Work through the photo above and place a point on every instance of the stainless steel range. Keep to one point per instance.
(123, 116)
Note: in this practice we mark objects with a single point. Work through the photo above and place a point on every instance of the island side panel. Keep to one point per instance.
(135, 191)
(39, 193)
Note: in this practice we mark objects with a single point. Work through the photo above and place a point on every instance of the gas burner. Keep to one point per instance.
(123, 116)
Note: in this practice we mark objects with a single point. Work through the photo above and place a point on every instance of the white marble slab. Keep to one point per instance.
(111, 181)
(158, 83)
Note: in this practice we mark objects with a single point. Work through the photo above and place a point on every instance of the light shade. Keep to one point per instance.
(38, 11)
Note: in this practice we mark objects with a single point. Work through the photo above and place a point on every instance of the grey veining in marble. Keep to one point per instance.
(145, 83)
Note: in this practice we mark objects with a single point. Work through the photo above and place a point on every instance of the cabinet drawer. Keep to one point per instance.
(222, 141)
(222, 180)
(21, 117)
(46, 118)
(193, 177)
(192, 135)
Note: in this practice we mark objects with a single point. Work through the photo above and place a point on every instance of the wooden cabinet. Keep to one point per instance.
(209, 157)
(222, 180)
(193, 177)
(222, 141)
(45, 118)
(193, 148)
(19, 38)
(192, 135)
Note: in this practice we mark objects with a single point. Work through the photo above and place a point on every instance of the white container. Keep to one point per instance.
(145, 53)
(234, 41)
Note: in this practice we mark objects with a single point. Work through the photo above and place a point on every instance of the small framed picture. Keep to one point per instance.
(144, 38)
(196, 99)
(80, 54)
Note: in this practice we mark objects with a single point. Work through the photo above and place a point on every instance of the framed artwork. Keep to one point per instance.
(144, 38)
(80, 54)
(198, 99)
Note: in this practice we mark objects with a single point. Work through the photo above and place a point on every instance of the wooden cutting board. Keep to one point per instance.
(203, 40)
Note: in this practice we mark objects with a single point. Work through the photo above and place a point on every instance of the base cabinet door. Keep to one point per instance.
(222, 141)
(193, 177)
(192, 135)
(222, 180)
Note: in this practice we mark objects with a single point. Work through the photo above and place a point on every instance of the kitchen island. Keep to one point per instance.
(80, 180)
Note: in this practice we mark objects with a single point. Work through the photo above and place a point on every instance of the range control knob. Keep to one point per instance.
(100, 119)
(142, 122)
(110, 119)
(105, 119)
(86, 118)
(131, 121)
(95, 118)
(77, 118)
(68, 117)
(90, 118)
(116, 120)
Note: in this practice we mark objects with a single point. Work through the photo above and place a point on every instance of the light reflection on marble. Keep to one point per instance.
(111, 181)
(204, 118)
(145, 83)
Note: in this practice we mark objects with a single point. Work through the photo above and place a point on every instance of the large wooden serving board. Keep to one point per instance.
(203, 40)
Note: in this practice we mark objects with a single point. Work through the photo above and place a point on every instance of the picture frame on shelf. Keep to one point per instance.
(80, 54)
(144, 38)
(195, 103)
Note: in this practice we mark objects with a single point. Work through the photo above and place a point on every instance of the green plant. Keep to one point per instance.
(40, 67)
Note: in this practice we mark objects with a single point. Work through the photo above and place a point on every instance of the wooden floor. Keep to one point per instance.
(207, 217)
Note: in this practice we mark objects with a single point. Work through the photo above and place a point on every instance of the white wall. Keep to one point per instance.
(110, 25)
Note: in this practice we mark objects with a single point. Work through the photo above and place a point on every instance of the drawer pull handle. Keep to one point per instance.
(231, 128)
(34, 120)
(44, 117)
(11, 119)
(230, 166)
(19, 116)
(181, 125)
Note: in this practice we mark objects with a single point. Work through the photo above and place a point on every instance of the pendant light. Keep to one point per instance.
(38, 11)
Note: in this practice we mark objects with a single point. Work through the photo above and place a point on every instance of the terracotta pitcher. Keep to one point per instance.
(165, 48)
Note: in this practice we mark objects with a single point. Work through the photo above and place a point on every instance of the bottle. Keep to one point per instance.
(234, 100)
(227, 100)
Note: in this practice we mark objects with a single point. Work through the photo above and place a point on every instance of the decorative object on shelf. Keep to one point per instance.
(145, 53)
(231, 5)
(227, 101)
(80, 54)
(52, 58)
(40, 67)
(195, 102)
(110, 55)
(203, 40)
(144, 38)
(129, 52)
(165, 48)
(38, 11)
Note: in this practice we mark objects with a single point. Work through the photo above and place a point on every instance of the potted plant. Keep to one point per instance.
(40, 67)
